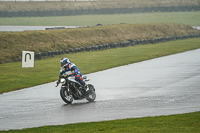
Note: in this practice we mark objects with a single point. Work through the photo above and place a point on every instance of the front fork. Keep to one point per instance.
(66, 87)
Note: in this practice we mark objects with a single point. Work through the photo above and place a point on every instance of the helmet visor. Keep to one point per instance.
(63, 63)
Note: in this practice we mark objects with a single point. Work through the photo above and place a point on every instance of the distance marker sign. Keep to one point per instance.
(27, 59)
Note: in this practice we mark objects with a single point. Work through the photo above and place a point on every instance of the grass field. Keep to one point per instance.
(188, 18)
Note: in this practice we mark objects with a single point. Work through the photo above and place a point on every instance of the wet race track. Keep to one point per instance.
(162, 86)
(28, 28)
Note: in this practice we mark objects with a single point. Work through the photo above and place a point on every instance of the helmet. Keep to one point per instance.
(64, 62)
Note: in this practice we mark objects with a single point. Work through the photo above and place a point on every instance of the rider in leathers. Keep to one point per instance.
(70, 68)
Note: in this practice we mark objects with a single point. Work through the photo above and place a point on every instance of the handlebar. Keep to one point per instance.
(63, 77)
(66, 76)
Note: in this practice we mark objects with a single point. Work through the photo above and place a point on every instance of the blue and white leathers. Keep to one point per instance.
(69, 69)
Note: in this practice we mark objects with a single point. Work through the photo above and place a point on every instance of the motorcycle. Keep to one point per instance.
(73, 90)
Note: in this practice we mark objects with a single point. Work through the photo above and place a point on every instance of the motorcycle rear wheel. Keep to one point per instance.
(66, 95)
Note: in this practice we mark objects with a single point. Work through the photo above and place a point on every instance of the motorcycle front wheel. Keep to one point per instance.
(91, 95)
(66, 95)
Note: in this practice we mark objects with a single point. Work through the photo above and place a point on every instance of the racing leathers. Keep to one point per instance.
(72, 69)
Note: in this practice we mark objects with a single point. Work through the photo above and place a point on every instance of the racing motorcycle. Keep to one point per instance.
(73, 90)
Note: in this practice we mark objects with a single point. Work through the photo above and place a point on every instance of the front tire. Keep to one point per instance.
(91, 95)
(66, 95)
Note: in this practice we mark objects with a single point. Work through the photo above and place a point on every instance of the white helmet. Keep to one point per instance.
(64, 62)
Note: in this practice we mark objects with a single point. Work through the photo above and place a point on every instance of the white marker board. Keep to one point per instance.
(27, 59)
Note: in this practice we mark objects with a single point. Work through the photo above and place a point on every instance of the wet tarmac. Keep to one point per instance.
(162, 86)
(27, 28)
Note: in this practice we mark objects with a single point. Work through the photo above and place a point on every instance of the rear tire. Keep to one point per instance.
(66, 95)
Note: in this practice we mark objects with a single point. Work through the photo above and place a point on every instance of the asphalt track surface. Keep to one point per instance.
(27, 28)
(161, 86)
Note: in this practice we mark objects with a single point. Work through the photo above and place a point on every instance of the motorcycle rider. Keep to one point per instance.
(70, 68)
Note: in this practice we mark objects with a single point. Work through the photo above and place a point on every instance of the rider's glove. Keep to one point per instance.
(57, 83)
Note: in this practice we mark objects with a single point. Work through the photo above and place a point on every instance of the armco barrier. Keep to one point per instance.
(88, 11)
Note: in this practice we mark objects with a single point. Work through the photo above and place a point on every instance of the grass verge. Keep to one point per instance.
(189, 18)
(14, 77)
(181, 123)
(12, 44)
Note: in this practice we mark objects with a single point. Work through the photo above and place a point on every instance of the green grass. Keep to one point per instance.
(14, 77)
(189, 18)
(181, 123)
